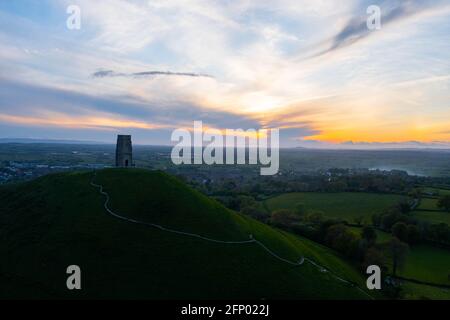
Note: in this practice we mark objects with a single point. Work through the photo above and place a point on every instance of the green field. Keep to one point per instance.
(427, 263)
(432, 216)
(439, 192)
(59, 220)
(429, 211)
(420, 291)
(423, 262)
(428, 204)
(344, 205)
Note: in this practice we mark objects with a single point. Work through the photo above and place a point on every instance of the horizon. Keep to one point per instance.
(342, 147)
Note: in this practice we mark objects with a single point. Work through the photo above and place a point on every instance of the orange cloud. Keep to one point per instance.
(372, 133)
(79, 122)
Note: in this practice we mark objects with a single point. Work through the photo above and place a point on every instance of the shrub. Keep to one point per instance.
(369, 234)
(413, 234)
(400, 230)
(444, 203)
(284, 218)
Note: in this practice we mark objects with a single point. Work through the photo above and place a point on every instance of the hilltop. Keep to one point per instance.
(59, 220)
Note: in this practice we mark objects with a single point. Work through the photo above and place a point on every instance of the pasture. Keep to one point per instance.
(343, 205)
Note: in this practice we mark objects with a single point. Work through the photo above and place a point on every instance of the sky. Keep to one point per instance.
(312, 69)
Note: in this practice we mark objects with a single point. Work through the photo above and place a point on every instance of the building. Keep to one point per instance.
(124, 151)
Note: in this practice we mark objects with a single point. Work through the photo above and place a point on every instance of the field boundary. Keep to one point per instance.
(428, 210)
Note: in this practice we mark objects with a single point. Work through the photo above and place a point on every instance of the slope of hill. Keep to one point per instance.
(59, 220)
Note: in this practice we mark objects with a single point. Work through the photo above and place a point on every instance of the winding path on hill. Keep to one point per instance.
(194, 235)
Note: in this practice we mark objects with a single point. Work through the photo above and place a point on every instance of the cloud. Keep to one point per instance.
(363, 145)
(24, 102)
(391, 11)
(244, 58)
(111, 73)
(83, 122)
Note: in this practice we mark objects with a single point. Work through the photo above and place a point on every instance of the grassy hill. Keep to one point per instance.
(343, 205)
(59, 220)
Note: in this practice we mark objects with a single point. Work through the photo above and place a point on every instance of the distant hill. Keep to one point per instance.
(59, 220)
(59, 141)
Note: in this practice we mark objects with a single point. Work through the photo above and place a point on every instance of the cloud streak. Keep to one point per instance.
(391, 11)
(111, 74)
(26, 102)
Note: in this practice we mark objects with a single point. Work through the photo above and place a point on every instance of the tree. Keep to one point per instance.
(369, 234)
(337, 186)
(373, 256)
(255, 212)
(404, 207)
(340, 238)
(300, 209)
(444, 202)
(389, 218)
(415, 193)
(315, 216)
(247, 201)
(398, 252)
(358, 220)
(284, 218)
(413, 234)
(376, 219)
(400, 230)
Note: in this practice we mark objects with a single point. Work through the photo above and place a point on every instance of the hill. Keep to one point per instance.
(59, 220)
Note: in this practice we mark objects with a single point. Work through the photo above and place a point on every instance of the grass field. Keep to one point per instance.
(432, 213)
(432, 216)
(428, 204)
(427, 263)
(440, 192)
(423, 262)
(59, 220)
(345, 205)
(415, 291)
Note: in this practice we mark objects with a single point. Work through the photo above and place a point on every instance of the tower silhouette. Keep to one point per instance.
(124, 151)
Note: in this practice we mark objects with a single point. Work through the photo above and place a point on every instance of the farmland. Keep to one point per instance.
(343, 205)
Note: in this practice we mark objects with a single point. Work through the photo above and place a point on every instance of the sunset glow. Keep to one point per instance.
(310, 68)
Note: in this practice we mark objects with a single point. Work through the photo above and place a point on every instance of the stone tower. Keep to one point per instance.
(124, 151)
